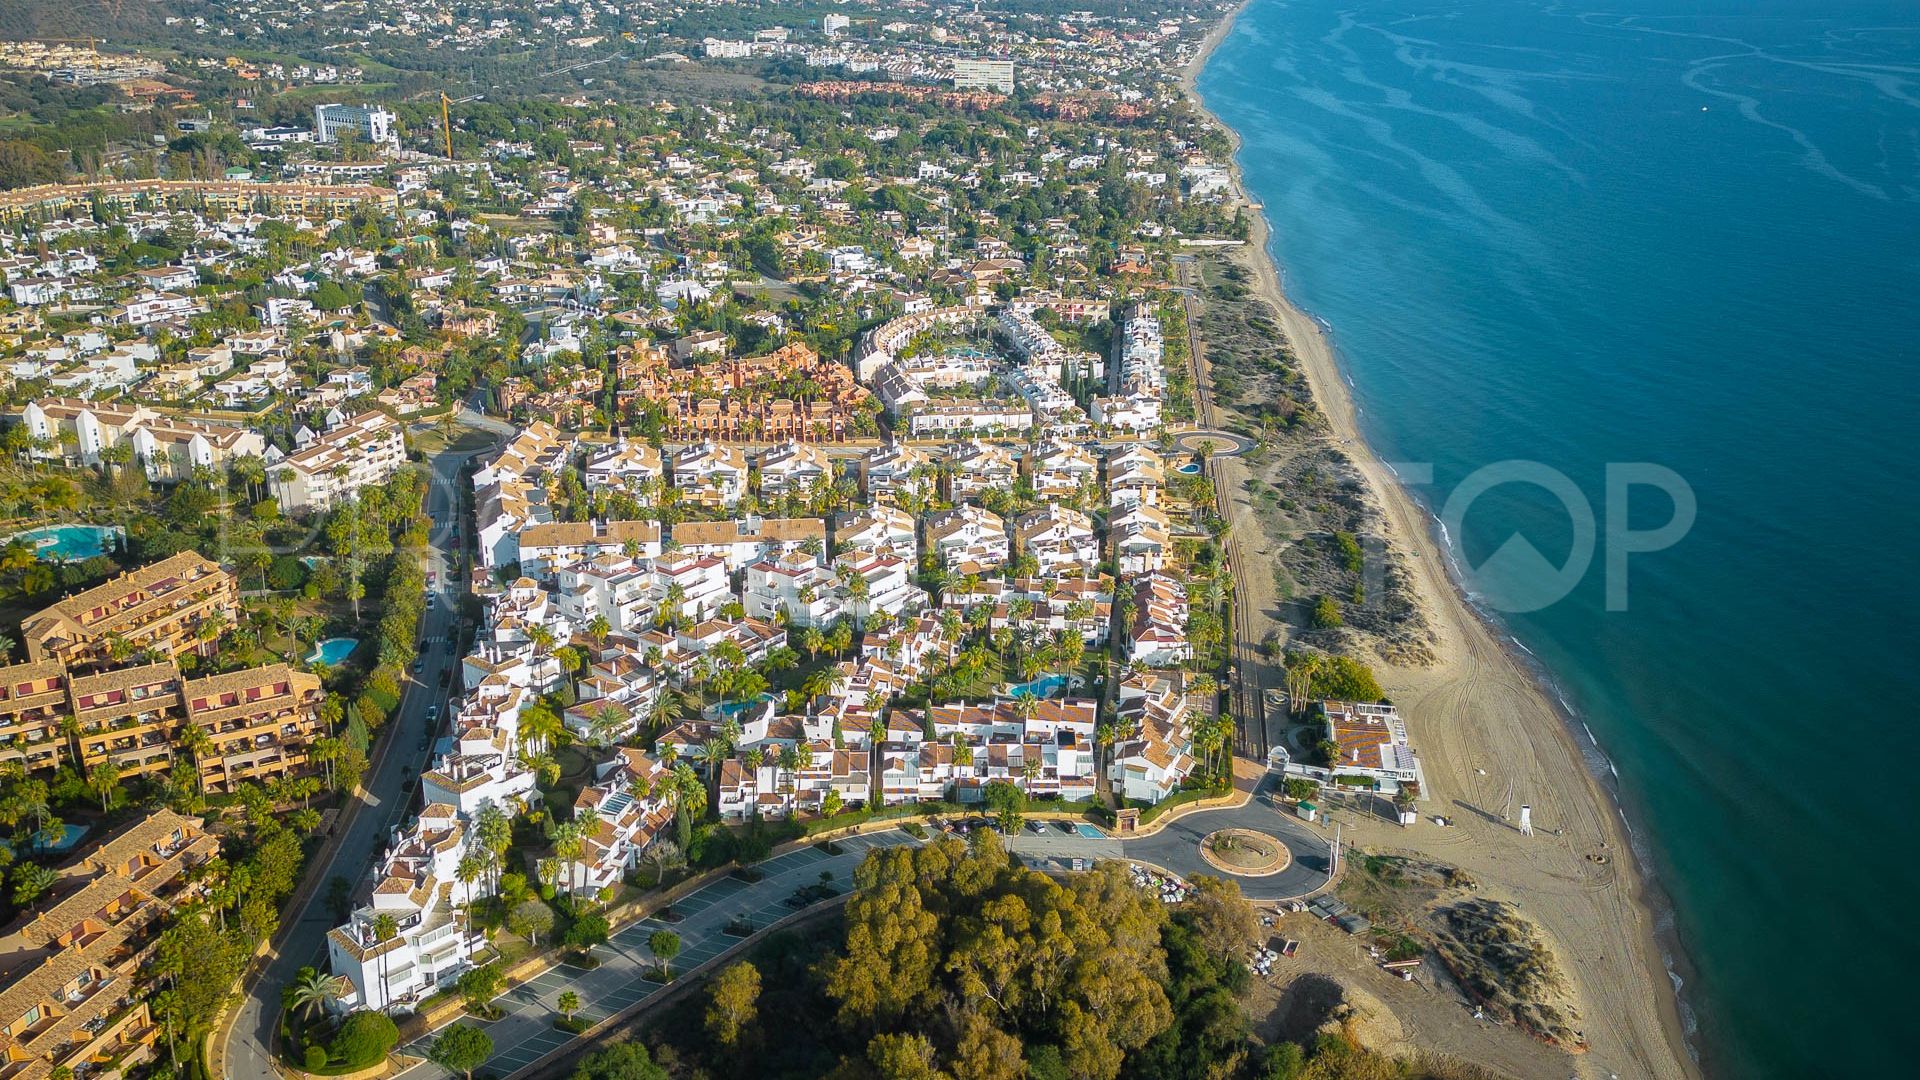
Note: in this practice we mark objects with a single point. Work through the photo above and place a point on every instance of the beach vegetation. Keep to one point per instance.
(1326, 614)
(1342, 678)
(1348, 548)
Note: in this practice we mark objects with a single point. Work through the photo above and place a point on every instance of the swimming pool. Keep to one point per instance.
(1191, 468)
(70, 543)
(729, 710)
(333, 651)
(41, 843)
(1043, 687)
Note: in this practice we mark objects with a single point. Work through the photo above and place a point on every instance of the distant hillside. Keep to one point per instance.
(122, 21)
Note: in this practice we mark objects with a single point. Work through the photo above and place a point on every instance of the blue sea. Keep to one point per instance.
(1677, 233)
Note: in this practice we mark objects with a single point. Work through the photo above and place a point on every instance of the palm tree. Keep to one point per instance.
(312, 991)
(711, 754)
(471, 868)
(755, 758)
(569, 844)
(103, 780)
(385, 927)
(494, 831)
(542, 639)
(541, 727)
(195, 741)
(790, 760)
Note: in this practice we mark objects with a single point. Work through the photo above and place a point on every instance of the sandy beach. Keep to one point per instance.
(1488, 734)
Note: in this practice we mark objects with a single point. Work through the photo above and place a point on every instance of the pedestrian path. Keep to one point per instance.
(628, 972)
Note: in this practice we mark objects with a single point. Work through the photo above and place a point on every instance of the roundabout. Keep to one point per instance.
(1275, 855)
(1244, 853)
(1212, 442)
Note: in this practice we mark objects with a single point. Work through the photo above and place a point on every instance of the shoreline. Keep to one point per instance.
(1623, 970)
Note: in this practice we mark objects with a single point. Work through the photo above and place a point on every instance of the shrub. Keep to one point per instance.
(286, 573)
(364, 1039)
(1326, 614)
(316, 1058)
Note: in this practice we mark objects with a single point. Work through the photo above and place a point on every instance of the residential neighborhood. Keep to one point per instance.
(472, 472)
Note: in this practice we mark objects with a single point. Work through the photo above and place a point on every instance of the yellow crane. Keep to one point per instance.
(446, 118)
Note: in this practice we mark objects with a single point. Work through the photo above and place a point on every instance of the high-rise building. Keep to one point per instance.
(373, 125)
(832, 25)
(976, 74)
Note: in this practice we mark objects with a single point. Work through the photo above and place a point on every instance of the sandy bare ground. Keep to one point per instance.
(1488, 737)
(1427, 1014)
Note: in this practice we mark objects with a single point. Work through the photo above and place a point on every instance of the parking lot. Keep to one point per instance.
(626, 972)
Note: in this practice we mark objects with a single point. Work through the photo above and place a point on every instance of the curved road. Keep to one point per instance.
(1176, 847)
(389, 798)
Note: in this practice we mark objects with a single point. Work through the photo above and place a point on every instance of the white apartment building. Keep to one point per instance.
(793, 469)
(626, 807)
(168, 446)
(1154, 755)
(546, 546)
(371, 125)
(365, 449)
(633, 467)
(887, 585)
(877, 528)
(416, 885)
(710, 474)
(797, 585)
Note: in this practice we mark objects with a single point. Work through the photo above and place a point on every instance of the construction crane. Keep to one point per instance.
(446, 118)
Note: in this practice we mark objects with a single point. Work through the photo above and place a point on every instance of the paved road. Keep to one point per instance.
(625, 974)
(1177, 846)
(389, 796)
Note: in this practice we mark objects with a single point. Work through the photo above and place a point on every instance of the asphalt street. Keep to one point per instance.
(389, 799)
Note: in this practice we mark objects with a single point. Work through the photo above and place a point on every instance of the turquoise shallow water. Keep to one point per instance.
(1686, 234)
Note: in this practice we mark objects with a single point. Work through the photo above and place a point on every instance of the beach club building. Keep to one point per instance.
(1372, 749)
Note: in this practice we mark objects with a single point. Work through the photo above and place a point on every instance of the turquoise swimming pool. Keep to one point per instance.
(71, 543)
(333, 651)
(1045, 686)
(728, 710)
(43, 844)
